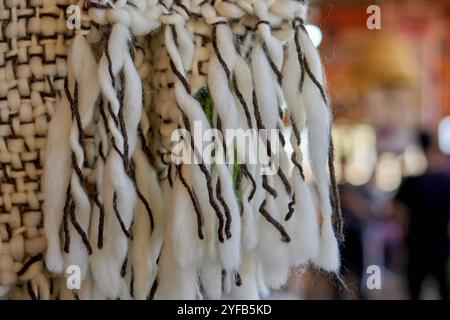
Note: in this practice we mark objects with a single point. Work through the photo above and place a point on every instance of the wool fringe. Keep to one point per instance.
(141, 225)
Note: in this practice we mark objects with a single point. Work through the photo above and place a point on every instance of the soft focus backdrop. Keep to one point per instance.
(390, 93)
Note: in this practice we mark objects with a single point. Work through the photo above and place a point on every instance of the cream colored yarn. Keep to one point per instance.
(135, 223)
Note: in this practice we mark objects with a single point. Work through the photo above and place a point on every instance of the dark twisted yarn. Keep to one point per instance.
(203, 168)
(128, 165)
(78, 228)
(208, 181)
(225, 207)
(119, 218)
(29, 263)
(217, 51)
(291, 208)
(123, 268)
(73, 102)
(101, 219)
(66, 215)
(30, 291)
(194, 201)
(284, 235)
(252, 180)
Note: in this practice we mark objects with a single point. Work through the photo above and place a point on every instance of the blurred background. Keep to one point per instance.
(390, 92)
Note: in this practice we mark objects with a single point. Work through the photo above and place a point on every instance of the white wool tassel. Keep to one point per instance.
(146, 243)
(292, 77)
(250, 216)
(248, 288)
(57, 170)
(260, 281)
(118, 189)
(211, 278)
(183, 250)
(221, 65)
(318, 120)
(271, 250)
(263, 81)
(82, 62)
(106, 281)
(303, 225)
(209, 219)
(228, 250)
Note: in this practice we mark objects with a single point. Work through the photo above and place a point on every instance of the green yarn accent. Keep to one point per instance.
(204, 98)
(236, 168)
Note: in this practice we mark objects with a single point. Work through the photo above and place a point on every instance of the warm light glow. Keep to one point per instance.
(388, 172)
(414, 160)
(357, 145)
(444, 135)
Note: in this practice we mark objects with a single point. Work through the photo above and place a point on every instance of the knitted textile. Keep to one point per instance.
(90, 98)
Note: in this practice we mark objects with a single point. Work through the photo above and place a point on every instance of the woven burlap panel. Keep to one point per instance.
(33, 52)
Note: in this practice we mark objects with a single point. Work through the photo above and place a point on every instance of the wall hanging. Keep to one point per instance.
(91, 93)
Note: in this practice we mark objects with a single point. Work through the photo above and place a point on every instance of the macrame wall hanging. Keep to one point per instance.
(87, 171)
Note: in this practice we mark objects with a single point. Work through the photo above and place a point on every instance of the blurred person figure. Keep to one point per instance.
(424, 203)
(356, 202)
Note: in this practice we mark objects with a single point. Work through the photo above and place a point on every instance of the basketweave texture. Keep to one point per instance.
(33, 53)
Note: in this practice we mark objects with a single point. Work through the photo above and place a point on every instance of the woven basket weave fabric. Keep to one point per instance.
(33, 53)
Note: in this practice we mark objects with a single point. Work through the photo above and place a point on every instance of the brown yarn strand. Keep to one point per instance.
(180, 76)
(285, 181)
(279, 79)
(246, 172)
(272, 64)
(75, 295)
(208, 178)
(123, 268)
(224, 143)
(268, 188)
(66, 215)
(132, 176)
(30, 291)
(261, 126)
(119, 218)
(132, 282)
(129, 168)
(225, 207)
(122, 125)
(237, 279)
(242, 102)
(217, 52)
(284, 235)
(73, 101)
(79, 229)
(291, 208)
(202, 167)
(294, 156)
(101, 219)
(144, 145)
(194, 201)
(153, 289)
(259, 122)
(29, 263)
(336, 201)
(300, 58)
